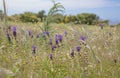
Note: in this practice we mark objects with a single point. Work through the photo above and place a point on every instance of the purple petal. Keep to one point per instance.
(14, 28)
(83, 38)
(51, 56)
(34, 47)
(78, 48)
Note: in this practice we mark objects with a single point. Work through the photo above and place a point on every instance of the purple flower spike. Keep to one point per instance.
(110, 34)
(56, 40)
(9, 27)
(7, 33)
(37, 36)
(44, 34)
(65, 33)
(78, 48)
(47, 33)
(50, 41)
(8, 36)
(60, 38)
(34, 49)
(14, 32)
(30, 33)
(53, 47)
(51, 56)
(14, 28)
(83, 38)
(72, 53)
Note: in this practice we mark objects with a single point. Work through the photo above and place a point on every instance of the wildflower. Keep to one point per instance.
(78, 48)
(53, 47)
(110, 34)
(30, 33)
(56, 40)
(34, 49)
(47, 33)
(72, 53)
(50, 41)
(65, 33)
(83, 38)
(14, 32)
(60, 38)
(14, 28)
(8, 36)
(44, 35)
(51, 56)
(37, 36)
(9, 27)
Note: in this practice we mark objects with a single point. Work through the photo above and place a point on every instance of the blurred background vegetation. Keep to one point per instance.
(83, 18)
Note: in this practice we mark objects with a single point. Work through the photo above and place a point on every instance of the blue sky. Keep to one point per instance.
(106, 9)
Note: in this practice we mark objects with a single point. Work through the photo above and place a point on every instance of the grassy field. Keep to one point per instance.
(30, 53)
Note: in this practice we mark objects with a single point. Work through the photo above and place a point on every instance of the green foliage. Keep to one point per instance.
(58, 18)
(41, 15)
(66, 19)
(87, 18)
(56, 9)
(28, 17)
(15, 18)
(70, 18)
(73, 18)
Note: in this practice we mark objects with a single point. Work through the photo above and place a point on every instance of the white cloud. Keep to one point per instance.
(36, 5)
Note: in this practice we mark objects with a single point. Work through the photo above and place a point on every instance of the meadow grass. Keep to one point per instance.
(99, 55)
